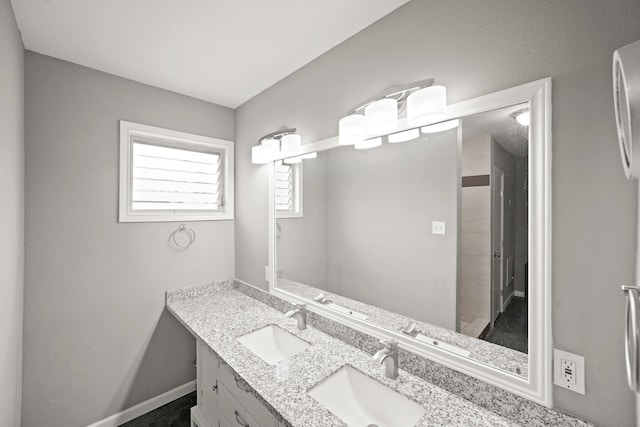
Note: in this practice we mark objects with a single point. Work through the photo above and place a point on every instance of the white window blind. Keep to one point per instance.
(168, 175)
(288, 190)
(167, 178)
(284, 188)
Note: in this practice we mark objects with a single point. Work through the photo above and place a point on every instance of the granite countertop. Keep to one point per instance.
(217, 314)
(486, 352)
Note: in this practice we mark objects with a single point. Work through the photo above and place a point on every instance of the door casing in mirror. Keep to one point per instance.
(537, 387)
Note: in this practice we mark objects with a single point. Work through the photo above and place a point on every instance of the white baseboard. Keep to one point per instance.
(147, 406)
(519, 294)
(506, 302)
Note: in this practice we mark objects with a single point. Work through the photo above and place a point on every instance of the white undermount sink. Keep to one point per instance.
(273, 344)
(361, 401)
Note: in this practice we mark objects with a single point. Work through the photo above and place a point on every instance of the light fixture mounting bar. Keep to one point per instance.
(400, 93)
(277, 134)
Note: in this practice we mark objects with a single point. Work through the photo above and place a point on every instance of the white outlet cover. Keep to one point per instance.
(438, 227)
(558, 378)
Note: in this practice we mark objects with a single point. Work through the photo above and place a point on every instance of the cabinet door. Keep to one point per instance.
(223, 422)
(208, 383)
(197, 419)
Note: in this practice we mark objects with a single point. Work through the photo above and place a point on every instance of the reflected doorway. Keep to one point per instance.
(494, 229)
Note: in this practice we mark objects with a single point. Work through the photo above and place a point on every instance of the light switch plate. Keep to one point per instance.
(437, 227)
(568, 370)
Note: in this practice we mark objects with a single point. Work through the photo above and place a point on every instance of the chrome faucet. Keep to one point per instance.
(389, 356)
(322, 299)
(300, 313)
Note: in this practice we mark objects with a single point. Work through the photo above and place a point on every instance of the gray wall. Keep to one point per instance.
(366, 226)
(476, 47)
(475, 237)
(381, 203)
(11, 215)
(96, 337)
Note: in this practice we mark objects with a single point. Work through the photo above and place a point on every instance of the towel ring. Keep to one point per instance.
(187, 230)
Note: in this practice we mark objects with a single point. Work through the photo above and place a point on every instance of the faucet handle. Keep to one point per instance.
(389, 344)
(301, 307)
(410, 327)
(320, 297)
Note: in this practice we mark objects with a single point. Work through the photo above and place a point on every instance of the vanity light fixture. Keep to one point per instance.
(283, 142)
(522, 116)
(441, 127)
(291, 143)
(351, 129)
(422, 102)
(427, 105)
(381, 116)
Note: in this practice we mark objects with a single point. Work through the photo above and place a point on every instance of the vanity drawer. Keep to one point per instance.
(235, 414)
(238, 389)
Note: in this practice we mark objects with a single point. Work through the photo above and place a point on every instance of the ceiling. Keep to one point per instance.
(221, 51)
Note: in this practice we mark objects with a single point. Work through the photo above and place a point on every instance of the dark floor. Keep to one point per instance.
(173, 414)
(512, 326)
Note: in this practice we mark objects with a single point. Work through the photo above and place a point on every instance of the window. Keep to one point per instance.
(167, 175)
(288, 190)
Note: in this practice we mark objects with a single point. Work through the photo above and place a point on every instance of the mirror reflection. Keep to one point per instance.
(426, 236)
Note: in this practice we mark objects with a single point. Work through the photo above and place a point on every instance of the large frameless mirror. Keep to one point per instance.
(438, 237)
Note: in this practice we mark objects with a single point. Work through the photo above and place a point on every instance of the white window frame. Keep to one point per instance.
(296, 191)
(174, 139)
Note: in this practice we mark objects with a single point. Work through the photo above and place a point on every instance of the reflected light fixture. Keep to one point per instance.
(522, 116)
(421, 102)
(299, 159)
(292, 160)
(368, 143)
(441, 127)
(276, 144)
(405, 135)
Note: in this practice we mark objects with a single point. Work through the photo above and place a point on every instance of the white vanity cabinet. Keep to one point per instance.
(224, 400)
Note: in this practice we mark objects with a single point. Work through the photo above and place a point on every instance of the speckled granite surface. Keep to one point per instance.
(218, 314)
(515, 408)
(491, 354)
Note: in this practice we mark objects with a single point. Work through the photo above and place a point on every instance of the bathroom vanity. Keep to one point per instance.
(238, 387)
(371, 271)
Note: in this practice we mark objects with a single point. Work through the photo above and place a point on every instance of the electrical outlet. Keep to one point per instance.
(568, 371)
(437, 227)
